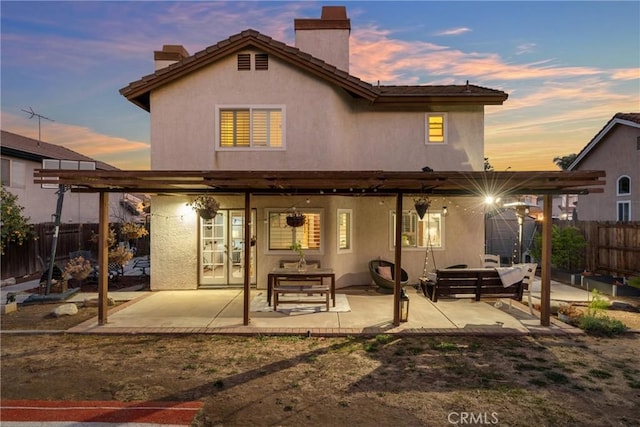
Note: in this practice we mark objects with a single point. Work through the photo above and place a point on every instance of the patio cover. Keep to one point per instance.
(357, 183)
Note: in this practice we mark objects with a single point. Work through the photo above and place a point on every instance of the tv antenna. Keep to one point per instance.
(39, 116)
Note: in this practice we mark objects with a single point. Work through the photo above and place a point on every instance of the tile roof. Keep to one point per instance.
(632, 119)
(138, 91)
(31, 149)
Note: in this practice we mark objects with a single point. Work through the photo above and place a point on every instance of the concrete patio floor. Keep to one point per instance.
(220, 311)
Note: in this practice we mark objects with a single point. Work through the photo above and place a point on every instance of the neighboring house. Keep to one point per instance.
(251, 103)
(616, 150)
(21, 156)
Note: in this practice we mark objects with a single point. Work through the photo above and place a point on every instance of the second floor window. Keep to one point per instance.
(624, 186)
(250, 128)
(436, 128)
(624, 211)
(14, 173)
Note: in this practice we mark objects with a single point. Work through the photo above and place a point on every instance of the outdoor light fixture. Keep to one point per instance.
(404, 306)
(445, 211)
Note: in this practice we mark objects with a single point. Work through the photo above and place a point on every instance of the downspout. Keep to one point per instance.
(398, 261)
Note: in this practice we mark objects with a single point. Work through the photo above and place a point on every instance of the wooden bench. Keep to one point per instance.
(470, 283)
(309, 290)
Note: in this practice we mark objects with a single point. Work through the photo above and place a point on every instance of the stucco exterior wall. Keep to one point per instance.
(617, 154)
(325, 129)
(174, 238)
(40, 203)
(332, 46)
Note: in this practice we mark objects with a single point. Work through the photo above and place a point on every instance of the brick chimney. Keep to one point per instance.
(326, 38)
(169, 54)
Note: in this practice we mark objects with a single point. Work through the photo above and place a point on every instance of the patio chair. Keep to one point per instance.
(527, 283)
(383, 273)
(489, 260)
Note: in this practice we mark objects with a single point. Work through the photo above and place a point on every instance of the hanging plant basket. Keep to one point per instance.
(206, 206)
(207, 213)
(296, 220)
(421, 205)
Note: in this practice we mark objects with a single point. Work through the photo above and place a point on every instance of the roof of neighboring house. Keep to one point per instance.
(15, 145)
(138, 91)
(625, 119)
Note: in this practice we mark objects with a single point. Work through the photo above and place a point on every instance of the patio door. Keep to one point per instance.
(222, 249)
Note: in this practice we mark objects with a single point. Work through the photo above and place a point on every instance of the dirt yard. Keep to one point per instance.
(354, 381)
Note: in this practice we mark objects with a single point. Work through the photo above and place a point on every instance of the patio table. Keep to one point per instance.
(288, 274)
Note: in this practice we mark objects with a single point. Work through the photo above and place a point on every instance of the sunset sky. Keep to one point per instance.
(568, 67)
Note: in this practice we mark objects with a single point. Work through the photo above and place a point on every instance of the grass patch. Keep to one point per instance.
(599, 373)
(556, 377)
(599, 325)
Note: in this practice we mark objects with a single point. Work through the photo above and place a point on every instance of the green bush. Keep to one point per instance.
(15, 227)
(567, 247)
(601, 325)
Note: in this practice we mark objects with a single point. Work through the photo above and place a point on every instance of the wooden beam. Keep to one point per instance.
(247, 257)
(398, 261)
(103, 257)
(545, 290)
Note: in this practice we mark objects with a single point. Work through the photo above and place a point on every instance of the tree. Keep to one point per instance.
(567, 245)
(487, 165)
(15, 227)
(564, 162)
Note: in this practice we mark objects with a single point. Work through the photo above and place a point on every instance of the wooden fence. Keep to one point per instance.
(613, 248)
(19, 261)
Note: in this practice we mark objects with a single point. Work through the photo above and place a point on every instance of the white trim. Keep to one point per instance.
(350, 230)
(283, 252)
(250, 107)
(445, 128)
(618, 204)
(416, 248)
(618, 193)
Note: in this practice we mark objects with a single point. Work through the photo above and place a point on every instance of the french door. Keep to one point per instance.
(222, 249)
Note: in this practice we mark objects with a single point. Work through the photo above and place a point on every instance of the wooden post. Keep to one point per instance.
(398, 261)
(103, 257)
(545, 290)
(247, 257)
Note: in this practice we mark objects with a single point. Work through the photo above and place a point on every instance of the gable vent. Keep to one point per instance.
(262, 61)
(244, 61)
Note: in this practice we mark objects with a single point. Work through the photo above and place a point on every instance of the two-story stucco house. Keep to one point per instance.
(615, 149)
(22, 155)
(251, 103)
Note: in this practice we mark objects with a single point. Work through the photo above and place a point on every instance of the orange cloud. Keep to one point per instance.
(117, 151)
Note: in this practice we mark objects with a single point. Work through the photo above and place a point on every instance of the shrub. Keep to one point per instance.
(601, 325)
(15, 227)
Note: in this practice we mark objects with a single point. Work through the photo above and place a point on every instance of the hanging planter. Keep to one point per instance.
(206, 206)
(421, 205)
(296, 219)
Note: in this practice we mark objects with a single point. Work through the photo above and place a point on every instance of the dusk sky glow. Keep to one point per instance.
(568, 67)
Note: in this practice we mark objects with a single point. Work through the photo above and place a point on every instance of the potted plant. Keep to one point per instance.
(78, 269)
(567, 312)
(206, 206)
(302, 263)
(133, 231)
(422, 205)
